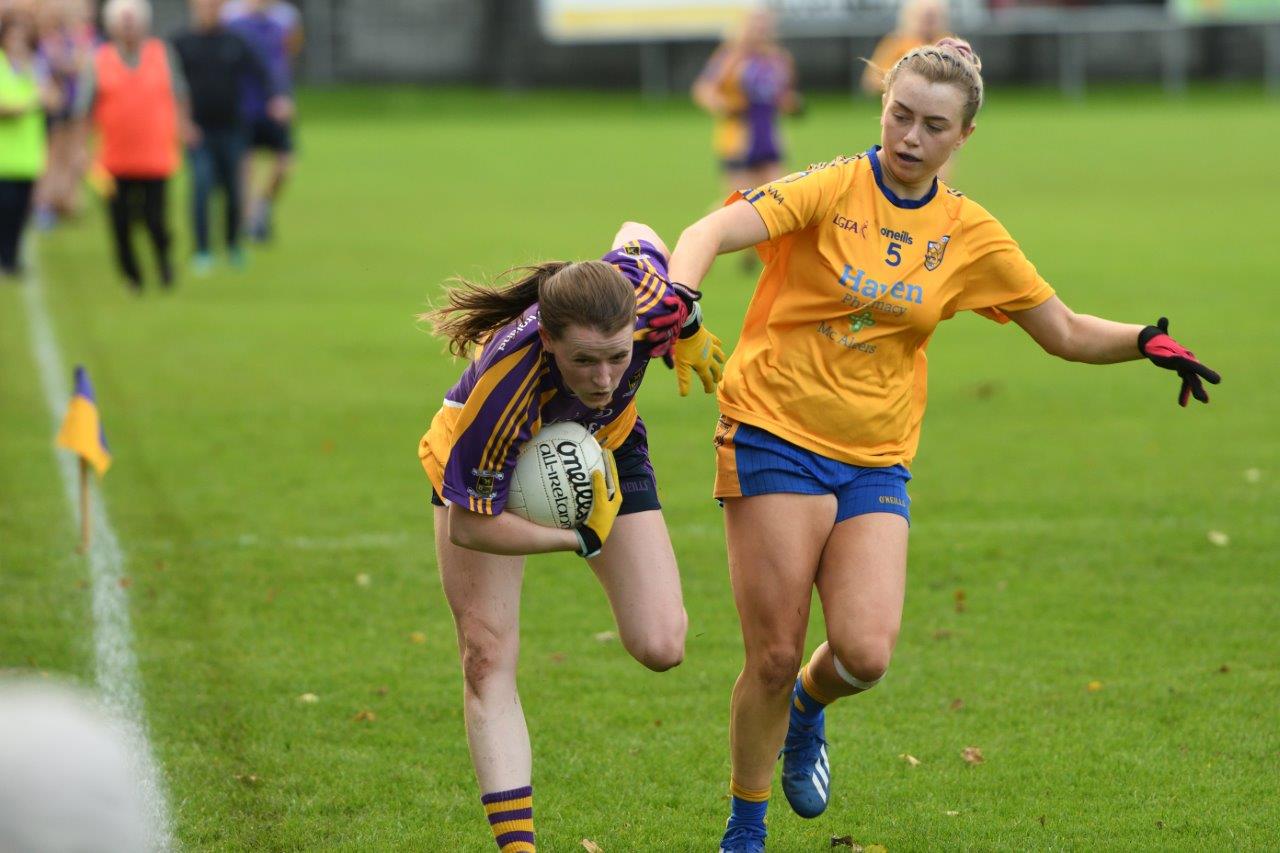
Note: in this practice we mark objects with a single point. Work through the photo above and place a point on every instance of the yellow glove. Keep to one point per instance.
(700, 352)
(606, 500)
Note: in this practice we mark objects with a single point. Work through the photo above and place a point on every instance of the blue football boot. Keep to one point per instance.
(806, 772)
(743, 838)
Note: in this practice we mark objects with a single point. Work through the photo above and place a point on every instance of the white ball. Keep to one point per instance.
(551, 485)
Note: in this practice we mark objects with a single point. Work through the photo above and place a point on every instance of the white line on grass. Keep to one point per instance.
(116, 666)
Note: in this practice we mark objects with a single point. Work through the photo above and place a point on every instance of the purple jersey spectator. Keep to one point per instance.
(267, 31)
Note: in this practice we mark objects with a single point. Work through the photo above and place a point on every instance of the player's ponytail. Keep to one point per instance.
(952, 60)
(589, 293)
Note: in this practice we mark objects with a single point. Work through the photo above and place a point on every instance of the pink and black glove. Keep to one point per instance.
(664, 330)
(1163, 351)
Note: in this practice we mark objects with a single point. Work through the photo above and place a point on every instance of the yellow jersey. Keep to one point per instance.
(855, 280)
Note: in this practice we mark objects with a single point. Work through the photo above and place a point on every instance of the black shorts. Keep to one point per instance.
(635, 471)
(271, 135)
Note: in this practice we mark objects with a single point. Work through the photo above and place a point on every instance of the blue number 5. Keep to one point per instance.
(893, 255)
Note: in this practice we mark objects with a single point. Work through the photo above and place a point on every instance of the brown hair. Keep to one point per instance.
(587, 293)
(950, 60)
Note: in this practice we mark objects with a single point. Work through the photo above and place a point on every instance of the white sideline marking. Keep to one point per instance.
(116, 667)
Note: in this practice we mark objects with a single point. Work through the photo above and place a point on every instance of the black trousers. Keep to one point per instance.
(141, 198)
(15, 209)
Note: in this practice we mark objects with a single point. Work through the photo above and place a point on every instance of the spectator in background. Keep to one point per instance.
(66, 49)
(920, 22)
(274, 29)
(216, 62)
(747, 81)
(138, 99)
(25, 93)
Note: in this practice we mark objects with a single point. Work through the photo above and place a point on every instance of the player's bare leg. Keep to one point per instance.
(483, 591)
(862, 583)
(637, 569)
(861, 580)
(775, 542)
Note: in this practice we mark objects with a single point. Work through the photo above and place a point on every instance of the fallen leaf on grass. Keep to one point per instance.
(125, 583)
(417, 638)
(910, 759)
(308, 698)
(1041, 819)
(161, 565)
(956, 704)
(942, 634)
(1093, 686)
(972, 754)
(248, 779)
(960, 598)
(606, 637)
(82, 584)
(1224, 669)
(365, 716)
(383, 690)
(591, 846)
(845, 841)
(363, 579)
(1217, 537)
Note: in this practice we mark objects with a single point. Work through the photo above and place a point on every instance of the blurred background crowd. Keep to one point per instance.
(91, 96)
(116, 95)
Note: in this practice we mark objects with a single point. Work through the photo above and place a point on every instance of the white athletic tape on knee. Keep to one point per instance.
(850, 679)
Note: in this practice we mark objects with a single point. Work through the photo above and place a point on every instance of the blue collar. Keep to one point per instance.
(909, 204)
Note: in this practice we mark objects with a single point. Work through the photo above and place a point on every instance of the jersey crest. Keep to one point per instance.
(934, 252)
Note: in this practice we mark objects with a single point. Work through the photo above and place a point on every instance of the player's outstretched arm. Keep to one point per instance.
(1093, 340)
(728, 229)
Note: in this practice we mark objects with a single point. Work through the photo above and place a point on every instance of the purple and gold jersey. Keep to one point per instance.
(513, 387)
(753, 86)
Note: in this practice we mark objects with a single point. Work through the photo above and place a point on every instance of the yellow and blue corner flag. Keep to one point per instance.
(82, 427)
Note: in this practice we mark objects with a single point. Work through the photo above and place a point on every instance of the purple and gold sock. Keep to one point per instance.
(511, 819)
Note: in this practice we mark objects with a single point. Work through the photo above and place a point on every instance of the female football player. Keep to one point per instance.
(822, 401)
(567, 342)
(747, 81)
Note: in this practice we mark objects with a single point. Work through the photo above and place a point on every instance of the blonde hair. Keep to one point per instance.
(114, 10)
(951, 61)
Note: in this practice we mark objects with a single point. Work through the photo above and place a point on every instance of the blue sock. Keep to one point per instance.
(805, 710)
(748, 811)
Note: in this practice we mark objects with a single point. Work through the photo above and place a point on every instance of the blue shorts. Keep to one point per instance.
(751, 461)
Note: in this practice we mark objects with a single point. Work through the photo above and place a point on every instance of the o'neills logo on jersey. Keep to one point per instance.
(896, 236)
(861, 283)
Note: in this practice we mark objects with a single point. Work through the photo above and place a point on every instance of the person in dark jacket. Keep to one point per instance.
(216, 63)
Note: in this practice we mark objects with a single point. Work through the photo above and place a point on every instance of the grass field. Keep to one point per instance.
(265, 424)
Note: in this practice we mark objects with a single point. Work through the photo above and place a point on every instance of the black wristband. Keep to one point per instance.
(589, 543)
(693, 324)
